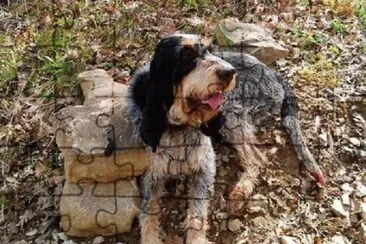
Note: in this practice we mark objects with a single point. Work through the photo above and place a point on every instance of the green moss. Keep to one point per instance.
(221, 37)
(320, 72)
(360, 12)
(305, 3)
(312, 40)
(196, 3)
(334, 50)
(9, 59)
(339, 27)
(5, 201)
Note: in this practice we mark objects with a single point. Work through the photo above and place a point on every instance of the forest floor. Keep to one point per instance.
(45, 44)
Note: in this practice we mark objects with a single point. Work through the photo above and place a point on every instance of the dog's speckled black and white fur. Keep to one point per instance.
(171, 115)
(169, 100)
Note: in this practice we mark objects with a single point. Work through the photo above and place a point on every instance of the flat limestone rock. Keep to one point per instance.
(84, 133)
(249, 38)
(97, 139)
(98, 85)
(92, 209)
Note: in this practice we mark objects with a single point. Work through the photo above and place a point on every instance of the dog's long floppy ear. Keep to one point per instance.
(159, 89)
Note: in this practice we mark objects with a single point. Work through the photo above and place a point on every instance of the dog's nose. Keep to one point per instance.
(225, 74)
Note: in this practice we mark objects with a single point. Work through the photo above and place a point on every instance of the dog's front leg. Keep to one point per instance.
(150, 209)
(201, 189)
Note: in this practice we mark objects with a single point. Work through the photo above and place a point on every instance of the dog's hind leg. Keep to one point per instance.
(151, 191)
(239, 135)
(251, 161)
(201, 188)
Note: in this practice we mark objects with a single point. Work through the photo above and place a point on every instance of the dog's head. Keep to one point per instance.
(186, 85)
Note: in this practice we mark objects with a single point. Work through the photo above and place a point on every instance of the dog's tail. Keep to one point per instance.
(290, 120)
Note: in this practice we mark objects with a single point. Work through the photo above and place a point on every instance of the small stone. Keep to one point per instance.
(360, 190)
(337, 131)
(273, 150)
(235, 225)
(339, 239)
(98, 240)
(323, 139)
(31, 233)
(347, 149)
(280, 140)
(296, 52)
(62, 236)
(288, 240)
(363, 230)
(347, 188)
(345, 199)
(338, 209)
(363, 210)
(362, 153)
(195, 21)
(356, 142)
(259, 221)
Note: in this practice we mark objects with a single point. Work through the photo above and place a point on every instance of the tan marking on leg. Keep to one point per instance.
(150, 224)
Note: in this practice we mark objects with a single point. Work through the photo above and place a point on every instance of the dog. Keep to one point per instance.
(182, 88)
(260, 95)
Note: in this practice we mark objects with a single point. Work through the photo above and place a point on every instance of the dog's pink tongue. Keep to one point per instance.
(215, 101)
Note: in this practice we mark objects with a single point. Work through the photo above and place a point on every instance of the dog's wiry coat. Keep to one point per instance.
(169, 100)
(175, 106)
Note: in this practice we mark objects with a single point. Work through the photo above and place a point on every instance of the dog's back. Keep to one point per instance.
(261, 94)
(258, 93)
